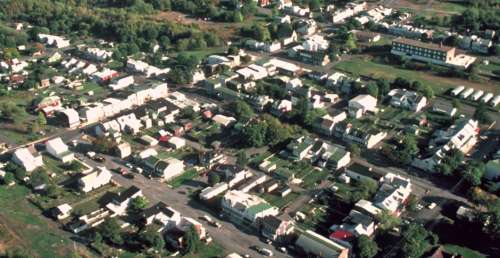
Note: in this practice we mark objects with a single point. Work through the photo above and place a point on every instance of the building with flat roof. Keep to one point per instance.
(436, 54)
(246, 208)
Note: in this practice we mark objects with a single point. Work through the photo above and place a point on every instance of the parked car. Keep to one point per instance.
(99, 158)
(266, 252)
(432, 205)
(129, 175)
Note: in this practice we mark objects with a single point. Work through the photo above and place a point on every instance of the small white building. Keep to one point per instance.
(59, 150)
(28, 158)
(62, 211)
(361, 104)
(176, 142)
(100, 177)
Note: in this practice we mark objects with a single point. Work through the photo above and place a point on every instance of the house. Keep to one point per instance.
(100, 177)
(62, 211)
(312, 51)
(122, 83)
(334, 157)
(59, 150)
(105, 75)
(212, 191)
(312, 243)
(361, 104)
(367, 36)
(246, 208)
(393, 193)
(55, 41)
(223, 120)
(267, 166)
(326, 124)
(123, 150)
(356, 223)
(165, 168)
(176, 142)
(90, 220)
(406, 99)
(120, 202)
(68, 117)
(163, 214)
(148, 140)
(281, 107)
(367, 137)
(409, 31)
(28, 158)
(299, 148)
(98, 54)
(368, 208)
(357, 171)
(275, 229)
(444, 107)
(232, 174)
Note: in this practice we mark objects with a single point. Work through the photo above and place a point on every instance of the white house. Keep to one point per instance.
(407, 99)
(362, 104)
(246, 208)
(121, 201)
(62, 211)
(28, 158)
(170, 168)
(123, 150)
(223, 120)
(176, 142)
(94, 180)
(59, 150)
(122, 83)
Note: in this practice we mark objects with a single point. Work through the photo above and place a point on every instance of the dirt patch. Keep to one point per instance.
(225, 30)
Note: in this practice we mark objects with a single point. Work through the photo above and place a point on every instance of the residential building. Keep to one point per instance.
(120, 202)
(123, 150)
(357, 171)
(351, 9)
(361, 104)
(299, 148)
(246, 208)
(223, 120)
(334, 157)
(100, 177)
(313, 51)
(409, 31)
(62, 211)
(54, 41)
(212, 191)
(163, 214)
(407, 99)
(444, 107)
(59, 150)
(122, 83)
(28, 158)
(275, 229)
(167, 169)
(425, 52)
(393, 193)
(176, 142)
(326, 124)
(313, 243)
(68, 117)
(367, 137)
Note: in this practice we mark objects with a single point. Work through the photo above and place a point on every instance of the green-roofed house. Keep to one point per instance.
(247, 209)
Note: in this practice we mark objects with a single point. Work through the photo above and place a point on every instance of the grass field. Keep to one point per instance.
(279, 201)
(463, 251)
(24, 228)
(369, 68)
(186, 176)
(208, 251)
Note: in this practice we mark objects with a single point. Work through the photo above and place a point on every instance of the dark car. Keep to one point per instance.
(129, 176)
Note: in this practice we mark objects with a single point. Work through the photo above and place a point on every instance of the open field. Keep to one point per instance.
(369, 68)
(22, 227)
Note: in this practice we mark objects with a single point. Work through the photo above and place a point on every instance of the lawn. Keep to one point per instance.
(27, 230)
(463, 251)
(178, 154)
(360, 67)
(186, 176)
(279, 201)
(208, 251)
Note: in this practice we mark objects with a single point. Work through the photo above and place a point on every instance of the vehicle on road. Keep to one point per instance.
(129, 175)
(215, 224)
(432, 205)
(129, 165)
(282, 249)
(99, 158)
(91, 154)
(207, 218)
(266, 252)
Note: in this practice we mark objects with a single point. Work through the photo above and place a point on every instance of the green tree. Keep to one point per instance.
(237, 16)
(481, 114)
(474, 172)
(38, 177)
(350, 42)
(491, 218)
(152, 239)
(8, 178)
(365, 247)
(255, 134)
(416, 240)
(111, 231)
(241, 158)
(387, 221)
(372, 89)
(354, 149)
(242, 110)
(276, 131)
(42, 121)
(138, 204)
(313, 115)
(315, 5)
(103, 144)
(383, 87)
(192, 241)
(213, 179)
(407, 150)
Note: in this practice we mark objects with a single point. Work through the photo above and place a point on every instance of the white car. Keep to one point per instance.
(432, 206)
(266, 252)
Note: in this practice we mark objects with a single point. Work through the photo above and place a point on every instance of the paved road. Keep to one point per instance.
(232, 238)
